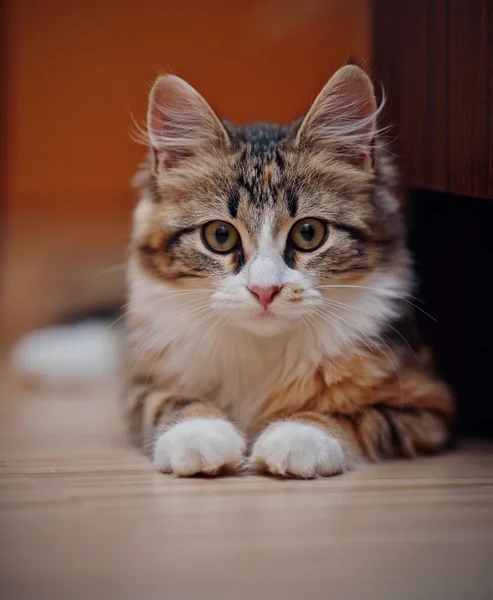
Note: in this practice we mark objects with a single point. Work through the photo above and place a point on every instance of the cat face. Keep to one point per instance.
(263, 219)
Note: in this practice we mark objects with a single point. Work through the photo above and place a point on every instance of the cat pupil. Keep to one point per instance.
(222, 234)
(307, 232)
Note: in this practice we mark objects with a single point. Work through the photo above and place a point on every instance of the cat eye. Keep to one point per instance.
(308, 234)
(220, 237)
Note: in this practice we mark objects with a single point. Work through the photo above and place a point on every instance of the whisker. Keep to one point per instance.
(308, 327)
(168, 343)
(347, 307)
(372, 348)
(224, 319)
(117, 320)
(189, 314)
(167, 294)
(328, 317)
(170, 293)
(184, 310)
(391, 294)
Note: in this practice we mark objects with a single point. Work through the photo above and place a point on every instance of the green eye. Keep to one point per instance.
(308, 234)
(220, 237)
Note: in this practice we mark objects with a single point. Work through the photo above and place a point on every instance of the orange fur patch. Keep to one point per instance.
(202, 411)
(364, 402)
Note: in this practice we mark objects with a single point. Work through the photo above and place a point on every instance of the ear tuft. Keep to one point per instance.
(180, 123)
(343, 117)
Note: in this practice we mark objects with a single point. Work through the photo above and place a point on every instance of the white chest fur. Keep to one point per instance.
(237, 370)
(207, 358)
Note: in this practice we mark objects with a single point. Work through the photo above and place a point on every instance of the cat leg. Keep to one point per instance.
(305, 445)
(396, 416)
(309, 444)
(403, 417)
(183, 436)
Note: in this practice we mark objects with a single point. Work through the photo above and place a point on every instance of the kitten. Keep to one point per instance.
(270, 309)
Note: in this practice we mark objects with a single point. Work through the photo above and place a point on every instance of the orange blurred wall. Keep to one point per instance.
(76, 70)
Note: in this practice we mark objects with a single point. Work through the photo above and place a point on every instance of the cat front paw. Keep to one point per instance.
(296, 449)
(194, 446)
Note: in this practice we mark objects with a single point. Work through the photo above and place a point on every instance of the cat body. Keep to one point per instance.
(270, 310)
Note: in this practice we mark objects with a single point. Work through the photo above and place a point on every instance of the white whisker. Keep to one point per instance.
(373, 347)
(348, 307)
(386, 292)
(328, 316)
(196, 311)
(308, 327)
(115, 322)
(192, 326)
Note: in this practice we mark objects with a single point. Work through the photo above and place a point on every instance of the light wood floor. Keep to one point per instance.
(84, 516)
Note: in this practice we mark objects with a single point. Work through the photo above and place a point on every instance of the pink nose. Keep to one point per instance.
(264, 295)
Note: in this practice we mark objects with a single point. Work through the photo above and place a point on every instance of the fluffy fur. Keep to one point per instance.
(332, 372)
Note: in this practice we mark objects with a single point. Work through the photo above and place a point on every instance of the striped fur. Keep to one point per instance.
(334, 372)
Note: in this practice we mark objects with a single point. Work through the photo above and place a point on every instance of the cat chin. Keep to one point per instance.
(266, 328)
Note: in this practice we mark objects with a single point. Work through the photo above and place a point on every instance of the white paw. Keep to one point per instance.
(298, 449)
(199, 446)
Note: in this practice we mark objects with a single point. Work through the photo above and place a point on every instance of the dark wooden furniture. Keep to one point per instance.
(435, 61)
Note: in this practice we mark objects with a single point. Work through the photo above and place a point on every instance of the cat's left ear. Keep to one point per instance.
(181, 125)
(343, 117)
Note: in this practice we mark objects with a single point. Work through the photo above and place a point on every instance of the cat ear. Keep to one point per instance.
(180, 123)
(343, 117)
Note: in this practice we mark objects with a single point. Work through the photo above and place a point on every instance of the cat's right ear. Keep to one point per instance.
(180, 124)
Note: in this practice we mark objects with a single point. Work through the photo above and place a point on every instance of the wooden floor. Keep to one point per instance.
(84, 516)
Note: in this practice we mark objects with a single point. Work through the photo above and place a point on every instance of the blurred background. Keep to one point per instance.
(76, 73)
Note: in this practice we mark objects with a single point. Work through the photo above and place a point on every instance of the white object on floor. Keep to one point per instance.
(83, 353)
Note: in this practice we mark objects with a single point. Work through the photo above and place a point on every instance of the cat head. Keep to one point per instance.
(264, 221)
